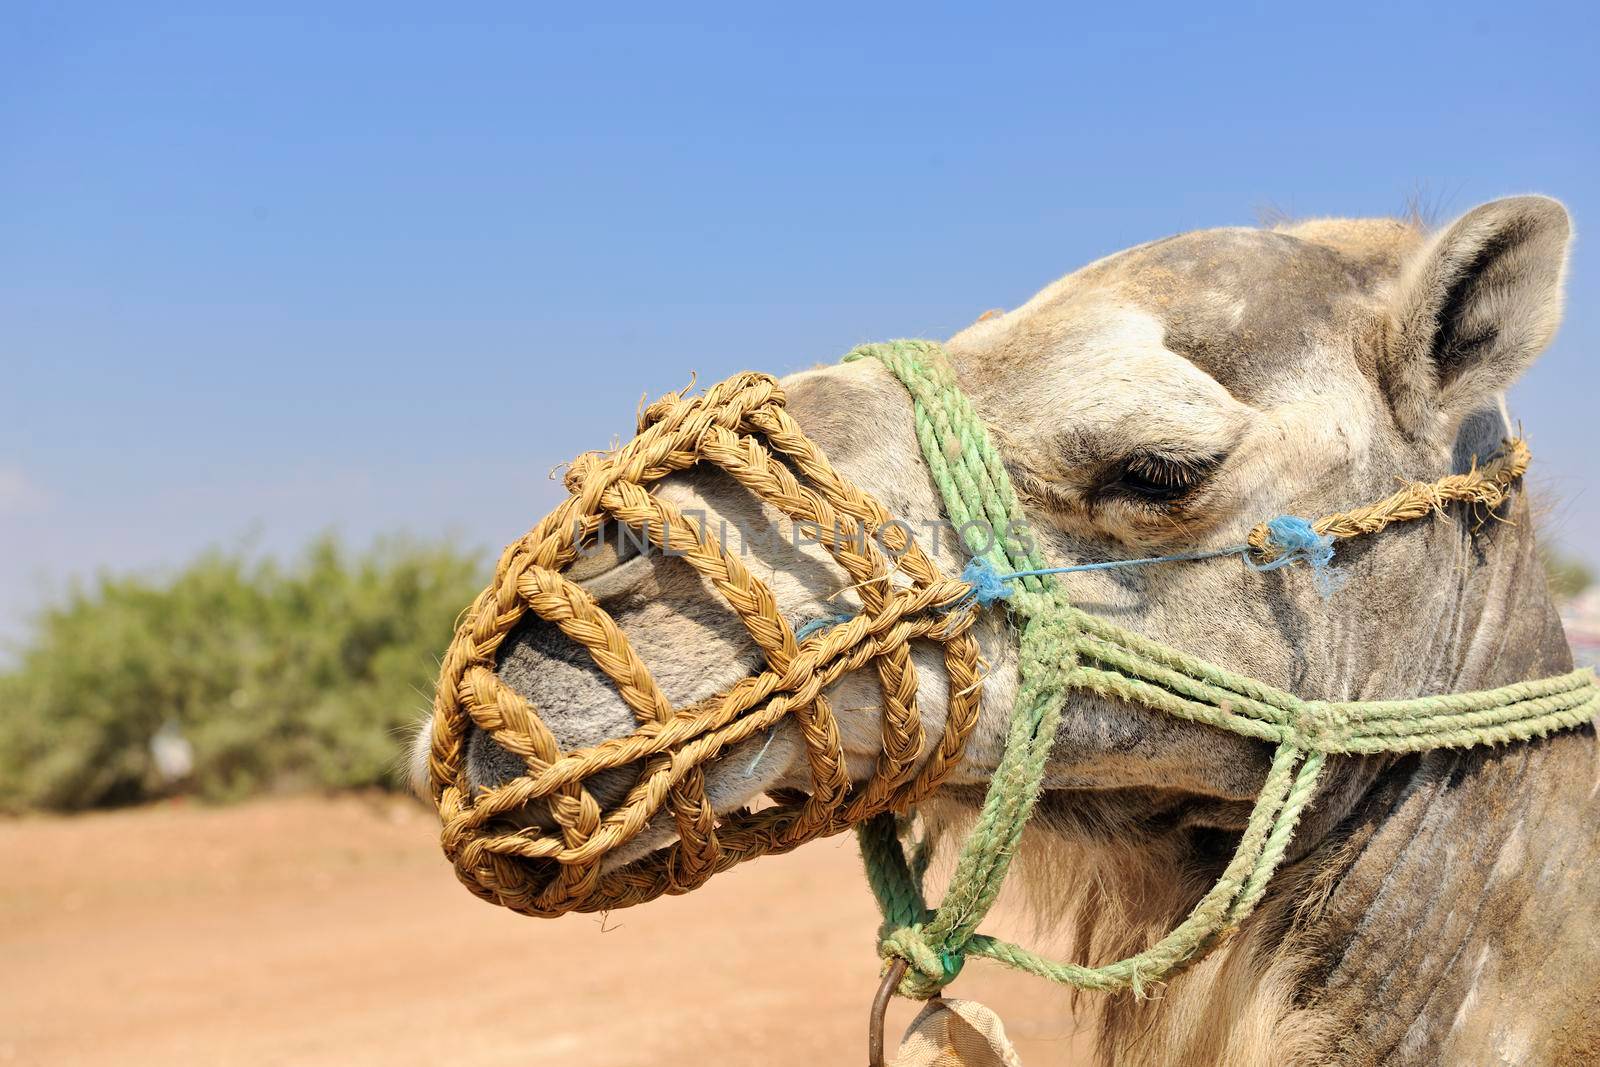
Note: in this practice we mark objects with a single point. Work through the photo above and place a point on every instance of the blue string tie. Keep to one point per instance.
(988, 585)
(1295, 539)
(818, 624)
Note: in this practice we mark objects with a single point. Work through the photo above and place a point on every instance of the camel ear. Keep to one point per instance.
(1475, 306)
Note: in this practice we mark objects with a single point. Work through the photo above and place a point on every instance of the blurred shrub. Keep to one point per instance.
(1568, 576)
(273, 676)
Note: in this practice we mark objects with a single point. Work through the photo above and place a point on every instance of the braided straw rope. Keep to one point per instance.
(1063, 648)
(1487, 487)
(537, 843)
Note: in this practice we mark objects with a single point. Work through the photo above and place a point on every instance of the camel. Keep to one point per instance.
(1435, 908)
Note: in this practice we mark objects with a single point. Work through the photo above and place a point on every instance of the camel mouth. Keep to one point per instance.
(746, 776)
(582, 709)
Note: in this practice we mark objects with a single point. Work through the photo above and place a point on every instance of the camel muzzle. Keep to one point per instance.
(552, 863)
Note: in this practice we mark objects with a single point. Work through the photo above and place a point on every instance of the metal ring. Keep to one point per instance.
(880, 1005)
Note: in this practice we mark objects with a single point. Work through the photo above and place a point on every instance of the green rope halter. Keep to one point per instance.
(1062, 648)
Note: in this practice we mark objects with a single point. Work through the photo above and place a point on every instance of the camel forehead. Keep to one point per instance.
(1245, 306)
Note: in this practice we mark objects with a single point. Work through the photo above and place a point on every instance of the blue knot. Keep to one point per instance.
(1296, 539)
(987, 585)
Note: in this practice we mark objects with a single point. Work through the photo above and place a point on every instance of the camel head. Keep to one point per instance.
(1163, 399)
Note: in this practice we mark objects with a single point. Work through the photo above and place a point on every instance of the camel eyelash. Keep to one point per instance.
(1160, 479)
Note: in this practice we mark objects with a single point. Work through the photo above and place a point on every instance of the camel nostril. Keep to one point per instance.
(490, 765)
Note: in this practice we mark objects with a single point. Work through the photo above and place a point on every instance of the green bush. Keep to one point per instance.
(276, 677)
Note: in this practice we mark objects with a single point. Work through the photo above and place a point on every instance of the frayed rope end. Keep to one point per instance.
(1296, 539)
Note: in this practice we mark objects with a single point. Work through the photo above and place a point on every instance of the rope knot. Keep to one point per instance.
(928, 969)
(1319, 724)
(1294, 538)
(987, 585)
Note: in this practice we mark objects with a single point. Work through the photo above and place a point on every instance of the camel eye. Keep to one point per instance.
(1158, 478)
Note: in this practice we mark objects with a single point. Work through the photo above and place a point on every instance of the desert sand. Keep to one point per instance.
(311, 930)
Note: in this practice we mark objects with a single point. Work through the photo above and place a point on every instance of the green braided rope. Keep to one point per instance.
(962, 458)
(1062, 648)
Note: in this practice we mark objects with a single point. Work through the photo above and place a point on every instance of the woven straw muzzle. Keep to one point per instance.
(740, 426)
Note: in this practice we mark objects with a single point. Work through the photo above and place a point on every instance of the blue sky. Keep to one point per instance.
(267, 274)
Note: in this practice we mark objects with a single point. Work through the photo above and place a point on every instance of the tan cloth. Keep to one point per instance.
(956, 1033)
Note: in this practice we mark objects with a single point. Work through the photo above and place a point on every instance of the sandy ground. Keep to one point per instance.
(331, 931)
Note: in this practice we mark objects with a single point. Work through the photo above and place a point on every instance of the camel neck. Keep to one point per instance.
(1456, 896)
(1460, 908)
